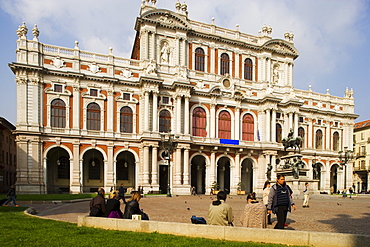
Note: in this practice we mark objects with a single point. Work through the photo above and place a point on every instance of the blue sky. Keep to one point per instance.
(332, 36)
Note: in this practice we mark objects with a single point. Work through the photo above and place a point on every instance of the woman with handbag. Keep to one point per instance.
(132, 207)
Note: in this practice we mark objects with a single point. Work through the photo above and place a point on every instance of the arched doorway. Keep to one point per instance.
(198, 174)
(334, 178)
(93, 170)
(223, 174)
(125, 169)
(58, 171)
(247, 175)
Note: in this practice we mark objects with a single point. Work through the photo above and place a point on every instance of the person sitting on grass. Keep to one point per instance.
(97, 204)
(220, 213)
(112, 209)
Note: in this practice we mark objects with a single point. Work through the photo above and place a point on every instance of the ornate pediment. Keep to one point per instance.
(281, 46)
(166, 18)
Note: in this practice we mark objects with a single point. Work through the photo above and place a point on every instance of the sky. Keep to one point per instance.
(332, 36)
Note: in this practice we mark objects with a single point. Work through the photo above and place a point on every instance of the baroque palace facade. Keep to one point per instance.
(88, 120)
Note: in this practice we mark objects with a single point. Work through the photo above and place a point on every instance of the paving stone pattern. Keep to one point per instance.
(325, 214)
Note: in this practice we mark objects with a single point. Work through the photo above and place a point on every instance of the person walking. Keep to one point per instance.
(306, 196)
(121, 193)
(266, 192)
(280, 201)
(220, 213)
(12, 196)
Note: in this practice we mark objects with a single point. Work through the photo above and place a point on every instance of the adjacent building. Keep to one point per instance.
(8, 160)
(87, 120)
(361, 175)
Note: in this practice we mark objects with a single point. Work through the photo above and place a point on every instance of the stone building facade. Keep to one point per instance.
(361, 173)
(8, 161)
(87, 120)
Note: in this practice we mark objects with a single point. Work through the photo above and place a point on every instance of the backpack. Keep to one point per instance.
(198, 220)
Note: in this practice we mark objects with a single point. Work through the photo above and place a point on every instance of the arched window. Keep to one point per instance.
(199, 122)
(164, 121)
(336, 141)
(279, 133)
(248, 128)
(58, 113)
(318, 139)
(126, 120)
(93, 116)
(63, 168)
(199, 59)
(248, 69)
(224, 125)
(301, 133)
(225, 64)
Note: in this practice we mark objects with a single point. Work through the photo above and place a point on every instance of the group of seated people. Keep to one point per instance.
(112, 209)
(254, 215)
(220, 213)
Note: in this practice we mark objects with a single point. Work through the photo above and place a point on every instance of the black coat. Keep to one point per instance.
(98, 202)
(132, 207)
(112, 205)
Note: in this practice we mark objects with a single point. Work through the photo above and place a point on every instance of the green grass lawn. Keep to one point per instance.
(19, 229)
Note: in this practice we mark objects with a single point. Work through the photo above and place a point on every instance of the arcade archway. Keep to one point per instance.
(223, 174)
(198, 174)
(58, 171)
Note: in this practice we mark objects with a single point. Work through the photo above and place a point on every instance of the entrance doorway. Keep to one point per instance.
(247, 176)
(223, 174)
(163, 179)
(198, 174)
(334, 178)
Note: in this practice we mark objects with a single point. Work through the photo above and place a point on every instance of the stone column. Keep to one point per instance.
(146, 111)
(212, 171)
(178, 114)
(75, 185)
(76, 109)
(309, 134)
(268, 125)
(212, 121)
(237, 124)
(155, 116)
(273, 126)
(110, 113)
(290, 116)
(186, 116)
(155, 166)
(186, 166)
(110, 167)
(177, 165)
(296, 120)
(146, 166)
(237, 170)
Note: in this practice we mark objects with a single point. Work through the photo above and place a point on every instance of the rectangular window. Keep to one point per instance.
(301, 119)
(126, 96)
(58, 88)
(93, 92)
(165, 100)
(319, 122)
(278, 115)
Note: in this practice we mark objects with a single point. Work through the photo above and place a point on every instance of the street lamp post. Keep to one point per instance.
(168, 147)
(344, 157)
